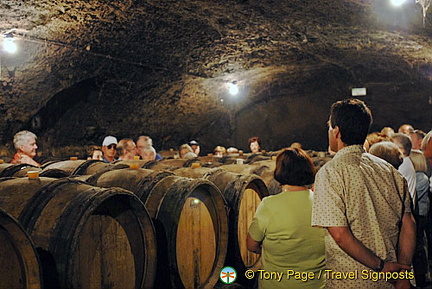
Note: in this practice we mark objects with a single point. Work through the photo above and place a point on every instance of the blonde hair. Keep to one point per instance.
(388, 131)
(125, 145)
(184, 149)
(220, 149)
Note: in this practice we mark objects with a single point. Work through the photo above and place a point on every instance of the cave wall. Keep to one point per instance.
(87, 69)
(281, 112)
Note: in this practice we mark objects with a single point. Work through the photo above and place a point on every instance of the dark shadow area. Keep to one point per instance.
(59, 104)
(49, 269)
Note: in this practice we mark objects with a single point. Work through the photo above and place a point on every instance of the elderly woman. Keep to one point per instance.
(25, 145)
(281, 228)
(148, 154)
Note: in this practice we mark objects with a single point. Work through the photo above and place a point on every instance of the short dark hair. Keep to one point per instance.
(402, 141)
(353, 118)
(294, 167)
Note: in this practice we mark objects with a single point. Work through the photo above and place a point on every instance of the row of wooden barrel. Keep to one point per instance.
(88, 224)
(263, 168)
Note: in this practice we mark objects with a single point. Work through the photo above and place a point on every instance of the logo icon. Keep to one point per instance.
(228, 275)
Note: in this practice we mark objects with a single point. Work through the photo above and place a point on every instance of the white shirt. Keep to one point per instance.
(407, 170)
(430, 183)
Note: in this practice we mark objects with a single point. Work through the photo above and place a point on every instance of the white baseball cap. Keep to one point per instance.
(109, 140)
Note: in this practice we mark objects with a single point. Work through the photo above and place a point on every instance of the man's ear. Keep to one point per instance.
(336, 132)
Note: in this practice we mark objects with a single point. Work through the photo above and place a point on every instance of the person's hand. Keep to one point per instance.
(402, 284)
(395, 267)
(25, 159)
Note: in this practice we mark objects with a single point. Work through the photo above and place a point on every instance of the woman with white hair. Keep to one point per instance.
(25, 145)
(148, 154)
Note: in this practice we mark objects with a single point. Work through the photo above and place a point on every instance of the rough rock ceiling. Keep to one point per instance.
(89, 68)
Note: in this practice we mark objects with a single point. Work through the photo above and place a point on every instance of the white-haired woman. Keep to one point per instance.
(25, 145)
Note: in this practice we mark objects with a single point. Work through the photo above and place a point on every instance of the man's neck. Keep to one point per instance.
(340, 144)
(109, 159)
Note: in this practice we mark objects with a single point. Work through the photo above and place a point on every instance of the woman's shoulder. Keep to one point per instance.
(287, 195)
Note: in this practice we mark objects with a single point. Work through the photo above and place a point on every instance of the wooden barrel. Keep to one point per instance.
(20, 266)
(252, 158)
(190, 220)
(128, 163)
(67, 166)
(210, 161)
(73, 168)
(264, 169)
(16, 170)
(87, 237)
(170, 164)
(232, 158)
(169, 154)
(4, 166)
(243, 194)
(137, 181)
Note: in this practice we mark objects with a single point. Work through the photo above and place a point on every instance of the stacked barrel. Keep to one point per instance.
(130, 224)
(84, 236)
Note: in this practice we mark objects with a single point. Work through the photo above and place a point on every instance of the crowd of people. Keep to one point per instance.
(110, 151)
(367, 214)
(366, 222)
(125, 149)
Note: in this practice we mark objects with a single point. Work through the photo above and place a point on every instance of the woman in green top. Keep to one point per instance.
(293, 253)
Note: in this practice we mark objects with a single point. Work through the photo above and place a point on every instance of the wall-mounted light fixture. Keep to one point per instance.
(9, 44)
(233, 88)
(397, 2)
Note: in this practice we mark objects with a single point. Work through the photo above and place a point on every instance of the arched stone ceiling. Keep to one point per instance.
(85, 69)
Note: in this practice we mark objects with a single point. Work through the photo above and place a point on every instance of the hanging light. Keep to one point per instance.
(397, 2)
(233, 88)
(9, 43)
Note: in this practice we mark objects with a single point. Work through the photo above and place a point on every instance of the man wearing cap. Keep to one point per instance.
(195, 147)
(109, 149)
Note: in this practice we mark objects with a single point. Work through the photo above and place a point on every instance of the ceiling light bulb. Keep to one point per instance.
(9, 45)
(397, 2)
(233, 88)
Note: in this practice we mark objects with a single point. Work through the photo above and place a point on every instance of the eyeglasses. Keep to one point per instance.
(112, 146)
